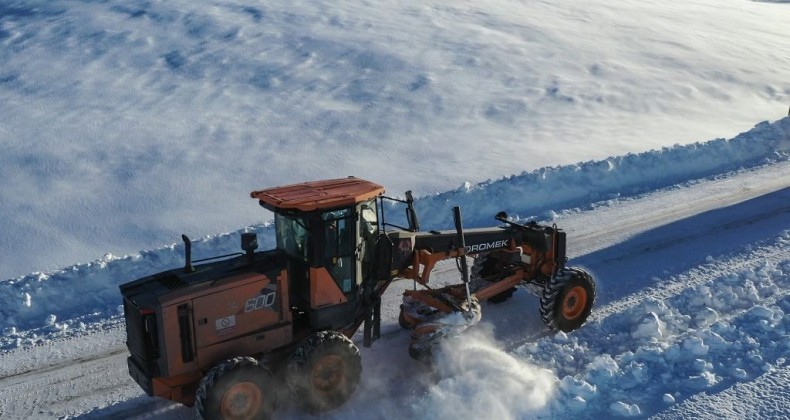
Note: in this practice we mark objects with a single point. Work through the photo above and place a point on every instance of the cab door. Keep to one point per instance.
(340, 248)
(365, 240)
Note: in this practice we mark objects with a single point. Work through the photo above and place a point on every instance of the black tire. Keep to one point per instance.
(236, 389)
(324, 371)
(485, 266)
(567, 300)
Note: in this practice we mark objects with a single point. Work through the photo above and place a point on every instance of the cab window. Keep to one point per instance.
(292, 236)
(339, 246)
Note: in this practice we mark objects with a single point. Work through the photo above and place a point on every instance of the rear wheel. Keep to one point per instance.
(567, 300)
(236, 389)
(324, 371)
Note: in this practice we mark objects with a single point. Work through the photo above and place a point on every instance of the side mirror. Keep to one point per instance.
(249, 243)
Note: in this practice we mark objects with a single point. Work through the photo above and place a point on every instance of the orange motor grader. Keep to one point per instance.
(234, 334)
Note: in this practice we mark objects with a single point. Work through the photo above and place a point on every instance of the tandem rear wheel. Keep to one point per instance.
(236, 389)
(322, 373)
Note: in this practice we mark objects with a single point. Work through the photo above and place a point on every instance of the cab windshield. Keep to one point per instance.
(292, 236)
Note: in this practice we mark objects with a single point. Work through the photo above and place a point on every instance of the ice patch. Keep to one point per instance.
(668, 399)
(650, 329)
(622, 409)
(705, 317)
(695, 346)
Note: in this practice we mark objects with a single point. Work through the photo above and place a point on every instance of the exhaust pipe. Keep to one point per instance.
(187, 254)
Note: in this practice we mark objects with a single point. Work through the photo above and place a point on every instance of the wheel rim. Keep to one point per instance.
(574, 302)
(329, 374)
(242, 401)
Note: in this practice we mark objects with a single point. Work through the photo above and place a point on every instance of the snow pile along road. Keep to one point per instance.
(536, 193)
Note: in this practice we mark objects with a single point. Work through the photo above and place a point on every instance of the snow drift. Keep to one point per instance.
(537, 193)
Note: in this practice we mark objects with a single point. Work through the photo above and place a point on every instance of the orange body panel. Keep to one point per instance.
(223, 317)
(180, 389)
(427, 260)
(500, 286)
(247, 314)
(258, 342)
(232, 308)
(323, 289)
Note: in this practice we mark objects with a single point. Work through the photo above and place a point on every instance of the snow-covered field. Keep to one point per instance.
(124, 124)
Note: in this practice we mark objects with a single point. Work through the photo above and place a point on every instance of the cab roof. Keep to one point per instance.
(325, 194)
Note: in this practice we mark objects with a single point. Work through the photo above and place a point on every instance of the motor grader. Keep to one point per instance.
(234, 334)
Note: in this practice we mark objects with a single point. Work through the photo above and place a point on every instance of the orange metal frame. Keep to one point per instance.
(541, 262)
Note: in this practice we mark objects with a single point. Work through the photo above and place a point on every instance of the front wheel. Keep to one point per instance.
(567, 300)
(236, 389)
(324, 371)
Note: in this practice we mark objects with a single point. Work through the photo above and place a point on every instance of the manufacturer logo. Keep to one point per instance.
(486, 246)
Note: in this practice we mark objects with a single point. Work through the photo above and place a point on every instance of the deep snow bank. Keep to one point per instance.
(536, 193)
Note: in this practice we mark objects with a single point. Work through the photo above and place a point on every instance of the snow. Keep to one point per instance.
(654, 134)
(124, 124)
(478, 379)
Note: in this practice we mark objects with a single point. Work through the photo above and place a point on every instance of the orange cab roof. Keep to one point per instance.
(309, 196)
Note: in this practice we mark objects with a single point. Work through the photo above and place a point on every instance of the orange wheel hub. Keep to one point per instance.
(329, 374)
(574, 302)
(242, 401)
